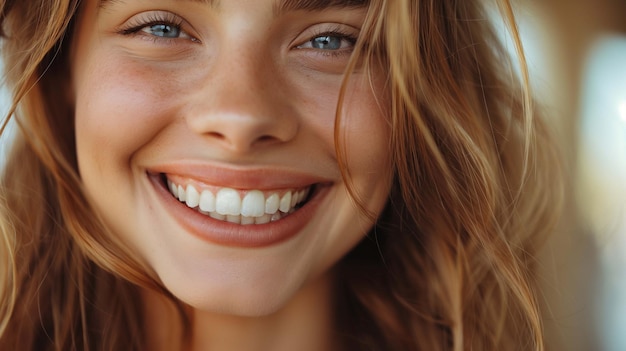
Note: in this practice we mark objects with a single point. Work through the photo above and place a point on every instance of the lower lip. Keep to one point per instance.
(236, 235)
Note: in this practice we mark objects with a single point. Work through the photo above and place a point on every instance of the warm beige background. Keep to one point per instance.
(578, 265)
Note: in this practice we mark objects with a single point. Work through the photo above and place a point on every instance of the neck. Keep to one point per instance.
(305, 324)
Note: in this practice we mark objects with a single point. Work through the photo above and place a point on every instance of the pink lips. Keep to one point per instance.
(236, 235)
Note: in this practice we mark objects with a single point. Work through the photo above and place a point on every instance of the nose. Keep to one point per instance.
(240, 105)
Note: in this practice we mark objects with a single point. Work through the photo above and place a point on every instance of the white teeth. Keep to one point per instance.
(247, 220)
(193, 197)
(233, 219)
(227, 204)
(173, 189)
(218, 216)
(297, 196)
(285, 202)
(302, 194)
(294, 198)
(272, 203)
(276, 216)
(207, 201)
(253, 204)
(181, 194)
(266, 218)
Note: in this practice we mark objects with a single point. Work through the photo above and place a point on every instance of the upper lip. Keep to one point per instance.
(262, 178)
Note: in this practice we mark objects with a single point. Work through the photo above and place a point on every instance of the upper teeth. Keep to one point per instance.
(255, 207)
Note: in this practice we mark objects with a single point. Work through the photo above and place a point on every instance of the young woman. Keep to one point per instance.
(268, 175)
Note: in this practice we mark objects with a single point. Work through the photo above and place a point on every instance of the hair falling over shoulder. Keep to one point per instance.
(449, 265)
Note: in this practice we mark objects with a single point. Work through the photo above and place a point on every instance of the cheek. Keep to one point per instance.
(365, 134)
(119, 107)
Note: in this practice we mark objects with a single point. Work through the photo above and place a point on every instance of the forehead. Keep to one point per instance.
(279, 5)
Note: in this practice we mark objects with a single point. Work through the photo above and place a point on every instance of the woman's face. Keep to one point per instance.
(205, 139)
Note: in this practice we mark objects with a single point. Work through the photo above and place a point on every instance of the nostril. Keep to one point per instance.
(216, 135)
(241, 131)
(266, 138)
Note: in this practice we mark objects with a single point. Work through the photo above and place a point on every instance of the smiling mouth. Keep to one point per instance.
(244, 207)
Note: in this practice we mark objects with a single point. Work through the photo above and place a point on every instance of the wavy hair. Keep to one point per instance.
(448, 265)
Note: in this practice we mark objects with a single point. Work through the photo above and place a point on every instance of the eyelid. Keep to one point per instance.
(343, 36)
(344, 31)
(136, 23)
(331, 29)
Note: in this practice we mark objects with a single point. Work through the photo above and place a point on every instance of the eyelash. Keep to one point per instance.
(335, 32)
(136, 26)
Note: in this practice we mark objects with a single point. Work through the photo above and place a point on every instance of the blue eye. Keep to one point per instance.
(330, 42)
(163, 30)
(327, 42)
(157, 25)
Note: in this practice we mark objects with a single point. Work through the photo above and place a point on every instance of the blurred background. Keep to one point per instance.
(577, 55)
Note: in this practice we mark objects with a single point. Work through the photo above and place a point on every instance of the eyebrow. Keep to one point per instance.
(316, 5)
(105, 3)
(283, 6)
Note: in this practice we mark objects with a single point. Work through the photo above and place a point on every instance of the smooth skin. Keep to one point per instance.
(240, 94)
